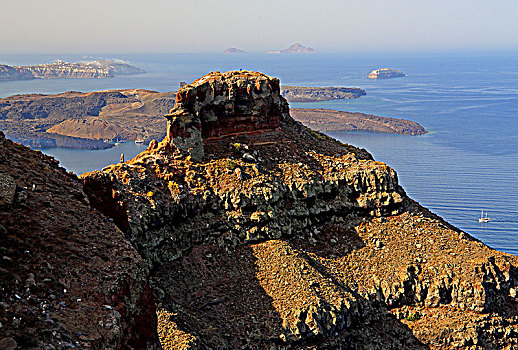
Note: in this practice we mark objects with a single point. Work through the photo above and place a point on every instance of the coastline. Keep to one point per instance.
(326, 120)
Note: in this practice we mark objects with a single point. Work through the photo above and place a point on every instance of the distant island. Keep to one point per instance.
(85, 120)
(295, 48)
(385, 73)
(234, 51)
(97, 120)
(330, 120)
(8, 73)
(315, 94)
(98, 69)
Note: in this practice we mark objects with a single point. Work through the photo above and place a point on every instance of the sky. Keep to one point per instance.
(158, 26)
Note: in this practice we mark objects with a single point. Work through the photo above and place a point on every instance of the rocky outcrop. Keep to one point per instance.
(221, 105)
(234, 51)
(262, 233)
(330, 120)
(295, 48)
(315, 94)
(70, 279)
(8, 73)
(385, 73)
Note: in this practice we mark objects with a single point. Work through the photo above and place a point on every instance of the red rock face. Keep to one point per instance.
(224, 104)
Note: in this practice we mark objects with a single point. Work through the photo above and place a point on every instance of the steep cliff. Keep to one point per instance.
(100, 69)
(8, 73)
(70, 279)
(264, 234)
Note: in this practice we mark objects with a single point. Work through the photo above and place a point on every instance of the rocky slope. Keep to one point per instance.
(8, 73)
(315, 94)
(85, 120)
(385, 73)
(261, 233)
(330, 120)
(70, 279)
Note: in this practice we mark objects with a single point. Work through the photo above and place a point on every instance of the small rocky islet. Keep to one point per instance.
(385, 73)
(241, 229)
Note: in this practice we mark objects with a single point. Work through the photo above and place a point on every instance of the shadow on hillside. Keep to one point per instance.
(218, 296)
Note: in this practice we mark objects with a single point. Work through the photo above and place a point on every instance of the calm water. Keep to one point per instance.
(469, 103)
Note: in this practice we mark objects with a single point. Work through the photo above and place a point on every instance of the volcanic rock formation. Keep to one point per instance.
(221, 105)
(261, 233)
(241, 229)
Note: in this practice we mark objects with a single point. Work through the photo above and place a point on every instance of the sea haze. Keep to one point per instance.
(469, 103)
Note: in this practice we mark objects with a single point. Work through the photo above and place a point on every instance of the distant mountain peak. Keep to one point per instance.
(295, 48)
(234, 51)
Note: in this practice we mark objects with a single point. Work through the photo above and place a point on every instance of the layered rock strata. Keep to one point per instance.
(100, 69)
(264, 234)
(221, 105)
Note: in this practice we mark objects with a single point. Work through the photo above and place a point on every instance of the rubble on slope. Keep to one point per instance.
(69, 277)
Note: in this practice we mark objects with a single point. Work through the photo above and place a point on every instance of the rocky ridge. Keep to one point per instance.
(261, 233)
(70, 279)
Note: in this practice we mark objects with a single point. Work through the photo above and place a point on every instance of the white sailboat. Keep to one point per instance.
(483, 218)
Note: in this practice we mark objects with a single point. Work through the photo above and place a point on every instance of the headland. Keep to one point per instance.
(240, 229)
(330, 120)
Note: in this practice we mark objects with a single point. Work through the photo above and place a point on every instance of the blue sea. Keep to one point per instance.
(467, 101)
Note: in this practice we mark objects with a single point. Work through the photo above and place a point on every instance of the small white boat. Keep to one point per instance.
(139, 141)
(483, 218)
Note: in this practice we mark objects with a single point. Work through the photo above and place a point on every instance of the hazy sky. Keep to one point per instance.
(65, 26)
